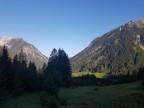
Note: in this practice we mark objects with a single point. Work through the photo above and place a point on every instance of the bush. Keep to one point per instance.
(95, 89)
(48, 101)
(63, 102)
(143, 83)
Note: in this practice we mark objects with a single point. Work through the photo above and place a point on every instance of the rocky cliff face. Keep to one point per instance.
(15, 45)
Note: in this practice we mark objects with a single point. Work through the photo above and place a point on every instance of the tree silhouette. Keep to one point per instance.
(18, 84)
(6, 68)
(64, 67)
(6, 75)
(50, 76)
(23, 67)
(32, 81)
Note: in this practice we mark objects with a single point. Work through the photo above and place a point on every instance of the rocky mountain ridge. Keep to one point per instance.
(15, 45)
(117, 51)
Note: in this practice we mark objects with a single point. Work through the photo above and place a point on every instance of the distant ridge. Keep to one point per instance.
(15, 45)
(120, 51)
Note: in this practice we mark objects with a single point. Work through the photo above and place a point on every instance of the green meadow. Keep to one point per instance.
(97, 74)
(130, 95)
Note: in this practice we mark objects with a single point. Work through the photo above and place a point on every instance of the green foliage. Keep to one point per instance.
(116, 41)
(58, 71)
(48, 101)
(50, 74)
(116, 52)
(25, 78)
(43, 68)
(63, 66)
(117, 96)
(141, 75)
(97, 74)
(63, 102)
(128, 95)
(18, 84)
(22, 68)
(143, 82)
(6, 75)
(49, 85)
(95, 89)
(27, 100)
(2, 87)
(32, 78)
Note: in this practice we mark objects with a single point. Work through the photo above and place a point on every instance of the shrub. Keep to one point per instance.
(95, 89)
(143, 83)
(48, 101)
(63, 102)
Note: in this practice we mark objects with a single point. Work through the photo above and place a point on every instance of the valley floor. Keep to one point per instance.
(128, 95)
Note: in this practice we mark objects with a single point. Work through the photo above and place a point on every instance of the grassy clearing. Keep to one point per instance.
(98, 74)
(117, 96)
(128, 95)
(29, 100)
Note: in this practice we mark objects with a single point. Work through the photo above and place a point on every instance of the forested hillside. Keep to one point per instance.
(118, 52)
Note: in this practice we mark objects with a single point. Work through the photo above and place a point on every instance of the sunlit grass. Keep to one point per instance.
(97, 74)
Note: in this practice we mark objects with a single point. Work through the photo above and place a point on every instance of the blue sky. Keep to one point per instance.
(67, 24)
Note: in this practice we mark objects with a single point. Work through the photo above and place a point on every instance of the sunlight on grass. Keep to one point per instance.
(97, 74)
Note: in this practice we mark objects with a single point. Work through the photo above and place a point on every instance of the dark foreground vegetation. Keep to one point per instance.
(22, 85)
(128, 95)
(18, 77)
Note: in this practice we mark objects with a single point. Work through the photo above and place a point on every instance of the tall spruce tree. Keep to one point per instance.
(6, 68)
(50, 74)
(43, 68)
(23, 67)
(2, 86)
(3, 83)
(18, 84)
(58, 71)
(6, 76)
(32, 77)
(63, 65)
(143, 82)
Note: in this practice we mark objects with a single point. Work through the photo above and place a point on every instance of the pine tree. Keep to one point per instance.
(143, 82)
(43, 68)
(58, 71)
(49, 76)
(5, 75)
(3, 83)
(64, 67)
(52, 65)
(49, 85)
(7, 69)
(40, 76)
(18, 84)
(23, 67)
(21, 57)
(32, 81)
(142, 75)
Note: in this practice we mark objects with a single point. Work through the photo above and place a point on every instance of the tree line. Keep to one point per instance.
(18, 76)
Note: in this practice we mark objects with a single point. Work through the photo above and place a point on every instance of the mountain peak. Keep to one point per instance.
(15, 45)
(18, 38)
(138, 23)
(5, 40)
